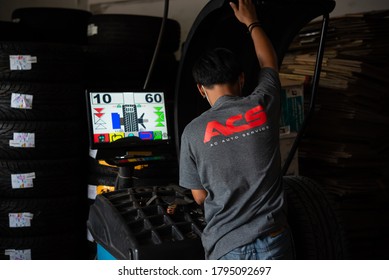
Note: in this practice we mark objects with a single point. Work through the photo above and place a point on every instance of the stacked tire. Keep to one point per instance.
(119, 54)
(43, 135)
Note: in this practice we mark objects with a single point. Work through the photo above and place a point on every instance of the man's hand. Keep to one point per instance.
(245, 12)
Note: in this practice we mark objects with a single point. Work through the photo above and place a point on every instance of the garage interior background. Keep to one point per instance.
(183, 11)
(365, 211)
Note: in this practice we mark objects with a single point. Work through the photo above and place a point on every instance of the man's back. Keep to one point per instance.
(232, 151)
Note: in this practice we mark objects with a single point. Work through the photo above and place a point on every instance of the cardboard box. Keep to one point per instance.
(292, 106)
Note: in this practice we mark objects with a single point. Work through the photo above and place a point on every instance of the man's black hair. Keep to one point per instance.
(217, 66)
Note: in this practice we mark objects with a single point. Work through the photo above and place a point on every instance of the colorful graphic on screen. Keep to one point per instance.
(116, 115)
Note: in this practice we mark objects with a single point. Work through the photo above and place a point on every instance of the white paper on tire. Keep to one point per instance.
(21, 62)
(17, 220)
(22, 181)
(22, 140)
(18, 254)
(21, 101)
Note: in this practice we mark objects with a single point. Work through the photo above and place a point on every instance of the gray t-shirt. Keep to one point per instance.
(232, 151)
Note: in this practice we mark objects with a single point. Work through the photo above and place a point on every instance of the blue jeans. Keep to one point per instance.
(274, 246)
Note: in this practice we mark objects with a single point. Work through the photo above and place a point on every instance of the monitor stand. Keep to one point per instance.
(129, 152)
(127, 164)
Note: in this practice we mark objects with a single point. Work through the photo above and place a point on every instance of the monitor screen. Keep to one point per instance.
(126, 118)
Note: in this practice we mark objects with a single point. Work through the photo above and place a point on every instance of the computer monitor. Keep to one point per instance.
(120, 119)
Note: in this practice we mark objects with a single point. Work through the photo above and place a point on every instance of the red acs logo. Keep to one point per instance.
(252, 118)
